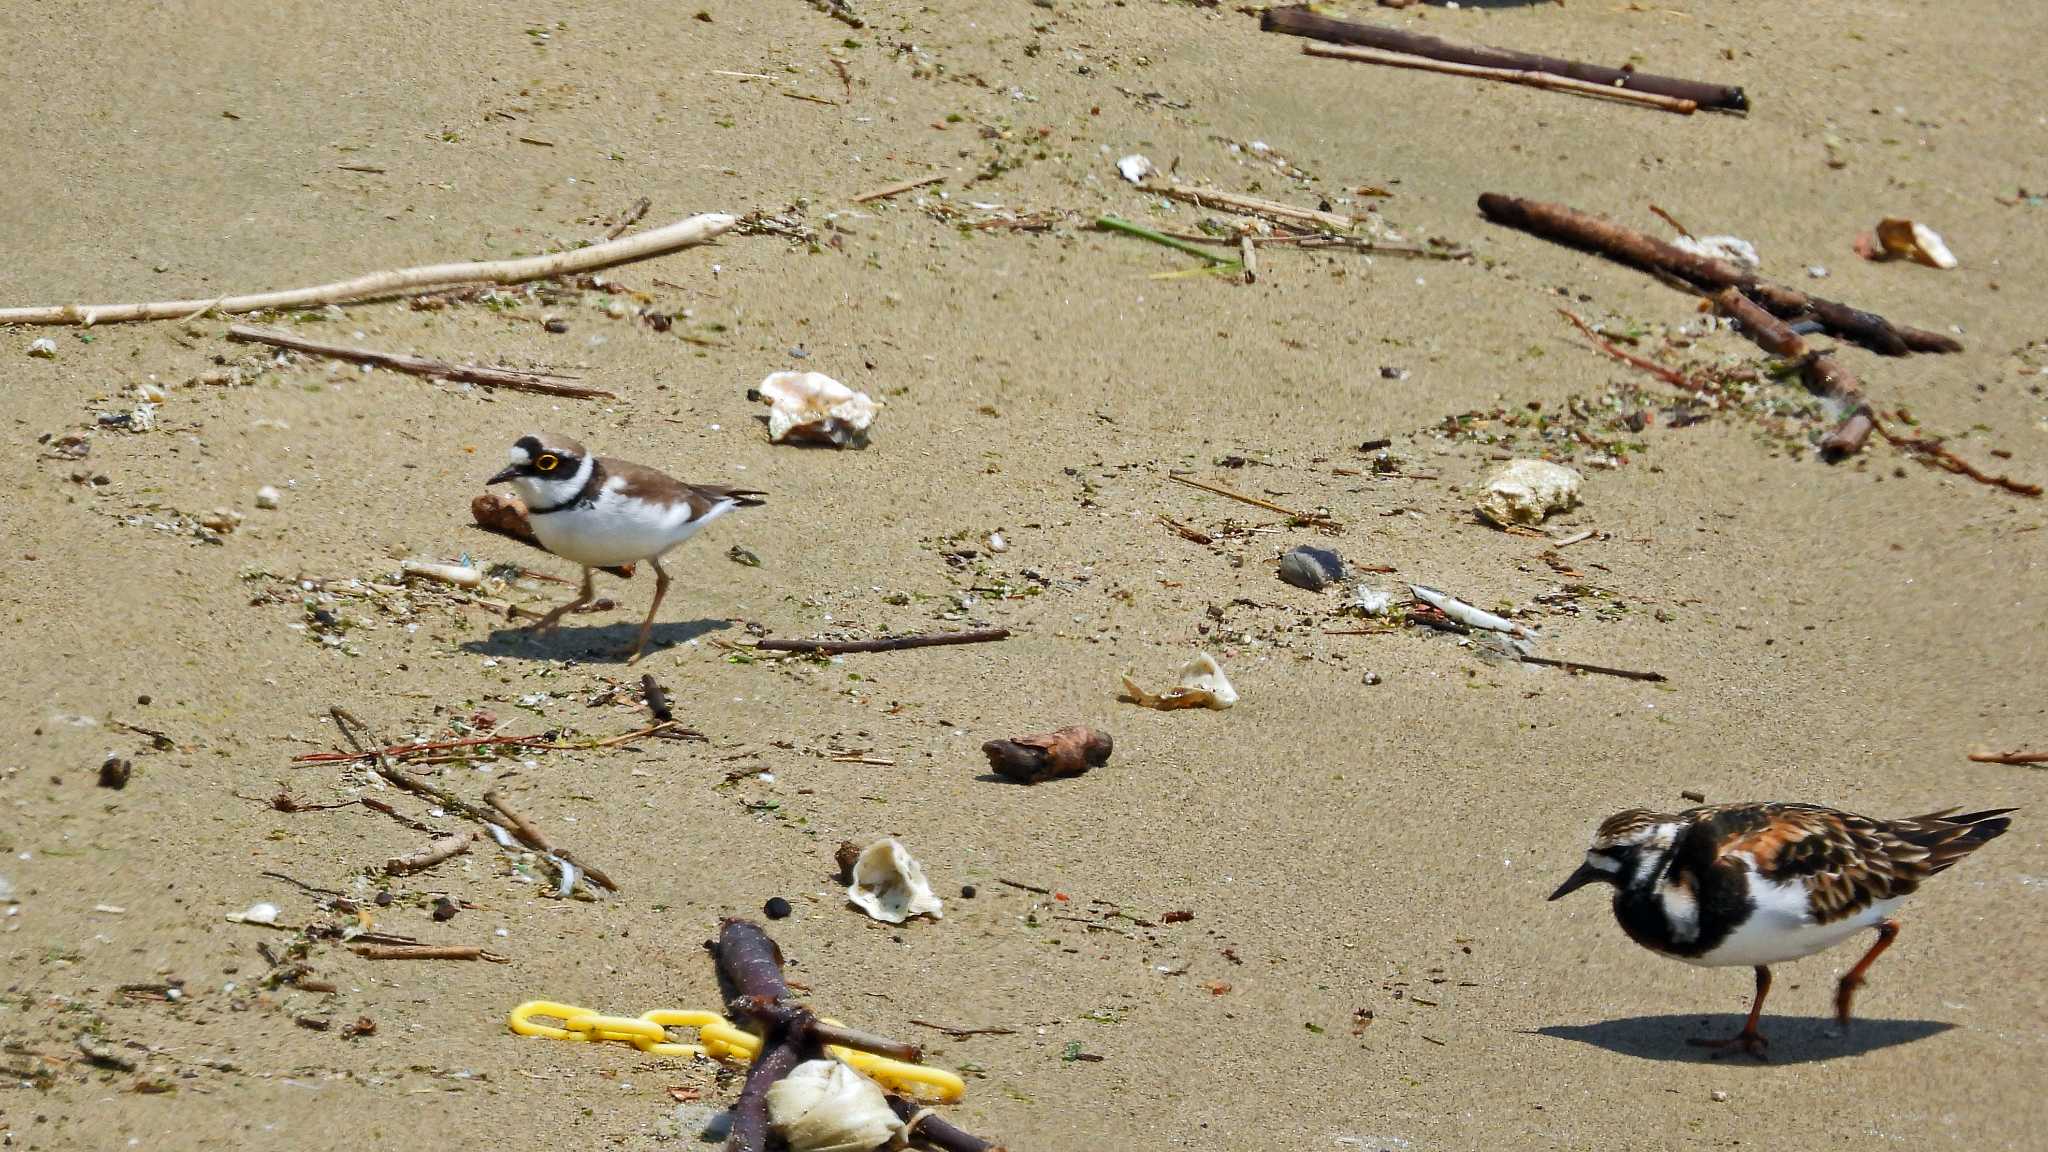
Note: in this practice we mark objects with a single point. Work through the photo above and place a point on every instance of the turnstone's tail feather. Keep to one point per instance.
(1947, 839)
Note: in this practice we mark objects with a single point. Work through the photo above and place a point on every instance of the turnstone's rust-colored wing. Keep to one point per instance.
(1845, 862)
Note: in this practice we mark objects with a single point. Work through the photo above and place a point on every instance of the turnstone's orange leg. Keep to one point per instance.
(647, 625)
(1845, 992)
(548, 623)
(1750, 1040)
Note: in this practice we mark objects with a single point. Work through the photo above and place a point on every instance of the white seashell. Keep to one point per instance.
(43, 348)
(260, 913)
(1734, 249)
(996, 543)
(143, 418)
(460, 575)
(1371, 601)
(813, 406)
(1915, 242)
(889, 884)
(1136, 167)
(267, 497)
(1465, 613)
(826, 1106)
(1525, 491)
(1202, 685)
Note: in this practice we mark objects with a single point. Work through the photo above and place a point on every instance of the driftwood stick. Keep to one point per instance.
(523, 829)
(1625, 245)
(1524, 77)
(511, 378)
(886, 644)
(1824, 375)
(900, 187)
(1252, 206)
(1300, 21)
(2013, 757)
(424, 952)
(444, 848)
(686, 233)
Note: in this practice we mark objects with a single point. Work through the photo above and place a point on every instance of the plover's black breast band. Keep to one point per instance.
(584, 497)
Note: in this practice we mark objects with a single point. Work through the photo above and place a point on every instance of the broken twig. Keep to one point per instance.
(900, 187)
(2013, 757)
(425, 952)
(1312, 518)
(444, 848)
(512, 378)
(886, 644)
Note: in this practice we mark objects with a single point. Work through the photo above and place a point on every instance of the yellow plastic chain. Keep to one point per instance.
(720, 1040)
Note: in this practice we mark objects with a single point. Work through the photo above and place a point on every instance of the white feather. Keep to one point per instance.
(1782, 927)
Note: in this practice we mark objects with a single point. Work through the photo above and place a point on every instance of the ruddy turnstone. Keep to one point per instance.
(1761, 884)
(601, 512)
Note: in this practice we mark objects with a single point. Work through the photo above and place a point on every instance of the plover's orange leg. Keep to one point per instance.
(1845, 992)
(548, 623)
(647, 625)
(1749, 1040)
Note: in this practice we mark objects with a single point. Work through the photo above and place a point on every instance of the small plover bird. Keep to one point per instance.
(601, 512)
(1761, 884)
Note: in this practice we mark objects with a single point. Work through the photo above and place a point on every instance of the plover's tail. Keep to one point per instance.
(741, 497)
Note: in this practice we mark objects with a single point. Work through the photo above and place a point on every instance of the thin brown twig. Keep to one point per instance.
(1527, 78)
(964, 1033)
(1316, 518)
(1670, 376)
(628, 218)
(900, 187)
(886, 644)
(425, 952)
(511, 378)
(1668, 218)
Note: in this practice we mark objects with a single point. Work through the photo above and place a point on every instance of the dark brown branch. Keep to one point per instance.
(1824, 375)
(750, 967)
(1625, 245)
(510, 378)
(886, 644)
(1300, 21)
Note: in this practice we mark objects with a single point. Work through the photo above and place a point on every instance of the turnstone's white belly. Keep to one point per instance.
(619, 529)
(1782, 927)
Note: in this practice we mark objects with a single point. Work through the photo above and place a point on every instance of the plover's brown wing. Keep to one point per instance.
(643, 483)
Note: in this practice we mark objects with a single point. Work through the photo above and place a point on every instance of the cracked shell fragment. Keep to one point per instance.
(889, 884)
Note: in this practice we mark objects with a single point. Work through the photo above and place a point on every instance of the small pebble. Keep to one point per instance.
(776, 908)
(143, 699)
(967, 891)
(114, 772)
(1372, 679)
(1311, 568)
(1720, 1096)
(43, 348)
(555, 324)
(384, 899)
(267, 497)
(445, 909)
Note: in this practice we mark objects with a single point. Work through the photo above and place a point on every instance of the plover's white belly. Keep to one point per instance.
(620, 529)
(1782, 927)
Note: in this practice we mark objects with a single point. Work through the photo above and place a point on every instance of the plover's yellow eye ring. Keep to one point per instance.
(547, 463)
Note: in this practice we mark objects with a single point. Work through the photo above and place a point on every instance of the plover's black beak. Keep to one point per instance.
(1586, 874)
(508, 474)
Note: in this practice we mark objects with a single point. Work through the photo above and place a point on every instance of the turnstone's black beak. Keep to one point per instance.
(1586, 874)
(501, 477)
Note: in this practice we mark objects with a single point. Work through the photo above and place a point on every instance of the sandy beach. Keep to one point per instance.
(1364, 841)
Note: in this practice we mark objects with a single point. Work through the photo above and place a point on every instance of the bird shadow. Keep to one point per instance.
(591, 644)
(1793, 1039)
